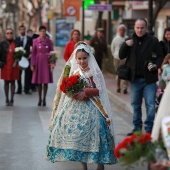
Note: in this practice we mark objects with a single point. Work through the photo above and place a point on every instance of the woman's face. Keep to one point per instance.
(167, 35)
(9, 34)
(82, 59)
(42, 33)
(76, 36)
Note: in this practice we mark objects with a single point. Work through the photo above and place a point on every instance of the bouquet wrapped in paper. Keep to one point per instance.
(72, 85)
(52, 59)
(18, 53)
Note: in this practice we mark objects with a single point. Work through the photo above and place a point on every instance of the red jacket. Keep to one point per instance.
(68, 49)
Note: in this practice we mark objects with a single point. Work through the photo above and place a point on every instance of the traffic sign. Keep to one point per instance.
(99, 7)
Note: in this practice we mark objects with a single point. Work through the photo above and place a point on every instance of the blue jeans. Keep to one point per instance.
(139, 90)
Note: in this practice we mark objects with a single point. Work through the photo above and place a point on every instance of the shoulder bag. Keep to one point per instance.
(123, 71)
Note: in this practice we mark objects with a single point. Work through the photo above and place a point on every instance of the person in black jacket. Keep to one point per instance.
(98, 42)
(144, 57)
(165, 44)
(25, 42)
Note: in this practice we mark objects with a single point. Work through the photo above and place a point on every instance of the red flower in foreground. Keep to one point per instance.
(144, 138)
(127, 143)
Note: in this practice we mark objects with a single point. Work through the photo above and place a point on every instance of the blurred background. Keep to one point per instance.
(60, 16)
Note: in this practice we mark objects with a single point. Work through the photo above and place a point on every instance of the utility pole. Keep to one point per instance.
(109, 25)
(82, 29)
(150, 17)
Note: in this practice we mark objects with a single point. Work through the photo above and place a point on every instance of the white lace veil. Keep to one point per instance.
(97, 78)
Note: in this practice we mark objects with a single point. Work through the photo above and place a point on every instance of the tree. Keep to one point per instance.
(158, 6)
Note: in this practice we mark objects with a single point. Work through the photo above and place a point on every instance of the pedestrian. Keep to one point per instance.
(9, 73)
(42, 74)
(24, 41)
(80, 129)
(144, 57)
(32, 35)
(166, 41)
(166, 69)
(115, 46)
(98, 42)
(75, 38)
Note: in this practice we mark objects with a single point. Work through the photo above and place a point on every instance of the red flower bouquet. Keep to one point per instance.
(72, 85)
(135, 148)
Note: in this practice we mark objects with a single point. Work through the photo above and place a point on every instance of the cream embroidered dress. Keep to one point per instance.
(79, 131)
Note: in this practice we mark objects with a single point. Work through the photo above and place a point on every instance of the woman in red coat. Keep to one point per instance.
(8, 73)
(75, 38)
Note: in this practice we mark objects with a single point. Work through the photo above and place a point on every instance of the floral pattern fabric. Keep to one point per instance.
(80, 134)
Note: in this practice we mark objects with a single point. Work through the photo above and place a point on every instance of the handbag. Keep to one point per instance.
(123, 71)
(1, 64)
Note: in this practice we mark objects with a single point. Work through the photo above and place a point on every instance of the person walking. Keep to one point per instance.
(42, 74)
(166, 41)
(166, 69)
(24, 41)
(82, 129)
(75, 38)
(9, 73)
(115, 46)
(98, 42)
(144, 57)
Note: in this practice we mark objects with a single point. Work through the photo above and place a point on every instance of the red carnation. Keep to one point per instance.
(75, 79)
(62, 88)
(69, 84)
(144, 138)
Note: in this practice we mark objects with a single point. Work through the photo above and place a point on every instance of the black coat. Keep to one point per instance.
(100, 47)
(27, 46)
(151, 45)
(4, 50)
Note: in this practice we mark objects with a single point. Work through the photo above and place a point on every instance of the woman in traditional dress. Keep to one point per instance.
(40, 64)
(82, 126)
(9, 72)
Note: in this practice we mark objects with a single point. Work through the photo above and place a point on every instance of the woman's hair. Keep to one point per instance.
(82, 50)
(167, 57)
(42, 28)
(72, 32)
(80, 42)
(10, 29)
(165, 30)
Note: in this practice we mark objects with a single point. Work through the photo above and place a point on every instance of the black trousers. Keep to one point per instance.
(27, 80)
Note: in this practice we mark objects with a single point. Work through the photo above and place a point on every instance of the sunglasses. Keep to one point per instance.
(9, 33)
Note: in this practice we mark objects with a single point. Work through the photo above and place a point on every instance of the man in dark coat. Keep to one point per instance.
(144, 57)
(24, 41)
(98, 42)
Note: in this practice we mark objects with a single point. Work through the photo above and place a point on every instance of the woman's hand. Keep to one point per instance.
(80, 96)
(156, 165)
(32, 68)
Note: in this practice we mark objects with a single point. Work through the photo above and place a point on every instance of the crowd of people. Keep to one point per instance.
(37, 74)
(81, 127)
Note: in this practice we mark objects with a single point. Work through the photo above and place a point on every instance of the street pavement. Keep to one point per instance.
(24, 129)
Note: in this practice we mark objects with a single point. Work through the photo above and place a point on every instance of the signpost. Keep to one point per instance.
(99, 7)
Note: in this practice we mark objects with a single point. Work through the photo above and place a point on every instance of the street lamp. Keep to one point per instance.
(82, 31)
